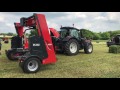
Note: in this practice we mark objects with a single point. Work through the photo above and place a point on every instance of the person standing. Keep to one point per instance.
(0, 45)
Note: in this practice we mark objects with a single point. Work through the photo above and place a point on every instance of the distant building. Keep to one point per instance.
(1, 36)
(5, 36)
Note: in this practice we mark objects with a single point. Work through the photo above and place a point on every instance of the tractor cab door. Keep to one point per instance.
(75, 33)
(64, 33)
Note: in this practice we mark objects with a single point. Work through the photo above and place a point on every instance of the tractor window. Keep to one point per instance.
(74, 33)
(63, 33)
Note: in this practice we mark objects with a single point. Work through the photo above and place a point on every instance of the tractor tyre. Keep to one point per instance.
(88, 48)
(72, 47)
(11, 55)
(31, 65)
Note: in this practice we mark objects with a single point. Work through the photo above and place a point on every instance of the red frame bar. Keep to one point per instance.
(43, 29)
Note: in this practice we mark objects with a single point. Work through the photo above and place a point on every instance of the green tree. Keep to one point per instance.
(96, 36)
(10, 34)
(105, 36)
(87, 33)
(33, 32)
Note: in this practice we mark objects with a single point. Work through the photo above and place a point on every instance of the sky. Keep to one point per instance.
(94, 21)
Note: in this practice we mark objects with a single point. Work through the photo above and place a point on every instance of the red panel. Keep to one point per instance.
(47, 39)
(19, 29)
(30, 22)
(26, 45)
(55, 33)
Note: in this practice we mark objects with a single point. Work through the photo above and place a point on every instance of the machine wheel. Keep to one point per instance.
(110, 43)
(72, 47)
(88, 48)
(31, 65)
(11, 55)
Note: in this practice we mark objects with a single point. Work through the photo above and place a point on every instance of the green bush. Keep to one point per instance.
(114, 49)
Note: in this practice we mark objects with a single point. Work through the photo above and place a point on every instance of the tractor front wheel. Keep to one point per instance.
(31, 65)
(88, 48)
(72, 47)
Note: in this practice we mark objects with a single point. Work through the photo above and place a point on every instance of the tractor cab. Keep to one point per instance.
(70, 31)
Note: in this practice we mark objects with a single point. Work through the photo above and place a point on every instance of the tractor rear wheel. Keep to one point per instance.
(88, 48)
(11, 55)
(31, 65)
(72, 47)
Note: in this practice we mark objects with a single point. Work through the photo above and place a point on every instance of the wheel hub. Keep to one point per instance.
(73, 47)
(32, 65)
(90, 48)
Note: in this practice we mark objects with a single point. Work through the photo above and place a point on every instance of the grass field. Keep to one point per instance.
(99, 64)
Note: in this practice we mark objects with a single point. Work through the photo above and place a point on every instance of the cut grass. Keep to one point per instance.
(99, 64)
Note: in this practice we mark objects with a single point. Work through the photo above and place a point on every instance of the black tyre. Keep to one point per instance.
(11, 55)
(31, 65)
(72, 47)
(110, 43)
(88, 48)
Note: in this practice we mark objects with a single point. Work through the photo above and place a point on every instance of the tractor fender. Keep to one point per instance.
(87, 42)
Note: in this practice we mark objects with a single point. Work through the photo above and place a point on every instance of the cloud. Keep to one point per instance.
(51, 25)
(1, 18)
(94, 21)
(100, 18)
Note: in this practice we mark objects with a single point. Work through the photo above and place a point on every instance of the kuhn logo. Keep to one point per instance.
(36, 44)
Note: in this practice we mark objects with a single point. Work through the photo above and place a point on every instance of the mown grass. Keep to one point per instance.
(99, 64)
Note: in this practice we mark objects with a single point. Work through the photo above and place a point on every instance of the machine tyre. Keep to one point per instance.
(31, 65)
(88, 48)
(10, 55)
(72, 47)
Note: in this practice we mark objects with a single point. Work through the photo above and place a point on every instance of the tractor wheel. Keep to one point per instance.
(72, 47)
(88, 48)
(31, 65)
(11, 55)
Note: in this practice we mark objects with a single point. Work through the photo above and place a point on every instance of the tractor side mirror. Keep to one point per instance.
(22, 21)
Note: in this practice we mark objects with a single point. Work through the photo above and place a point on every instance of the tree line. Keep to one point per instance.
(86, 33)
(99, 36)
(8, 34)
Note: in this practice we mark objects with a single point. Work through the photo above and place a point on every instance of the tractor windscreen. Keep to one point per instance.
(63, 33)
(74, 33)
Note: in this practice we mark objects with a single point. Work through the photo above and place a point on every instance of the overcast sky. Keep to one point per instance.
(94, 21)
